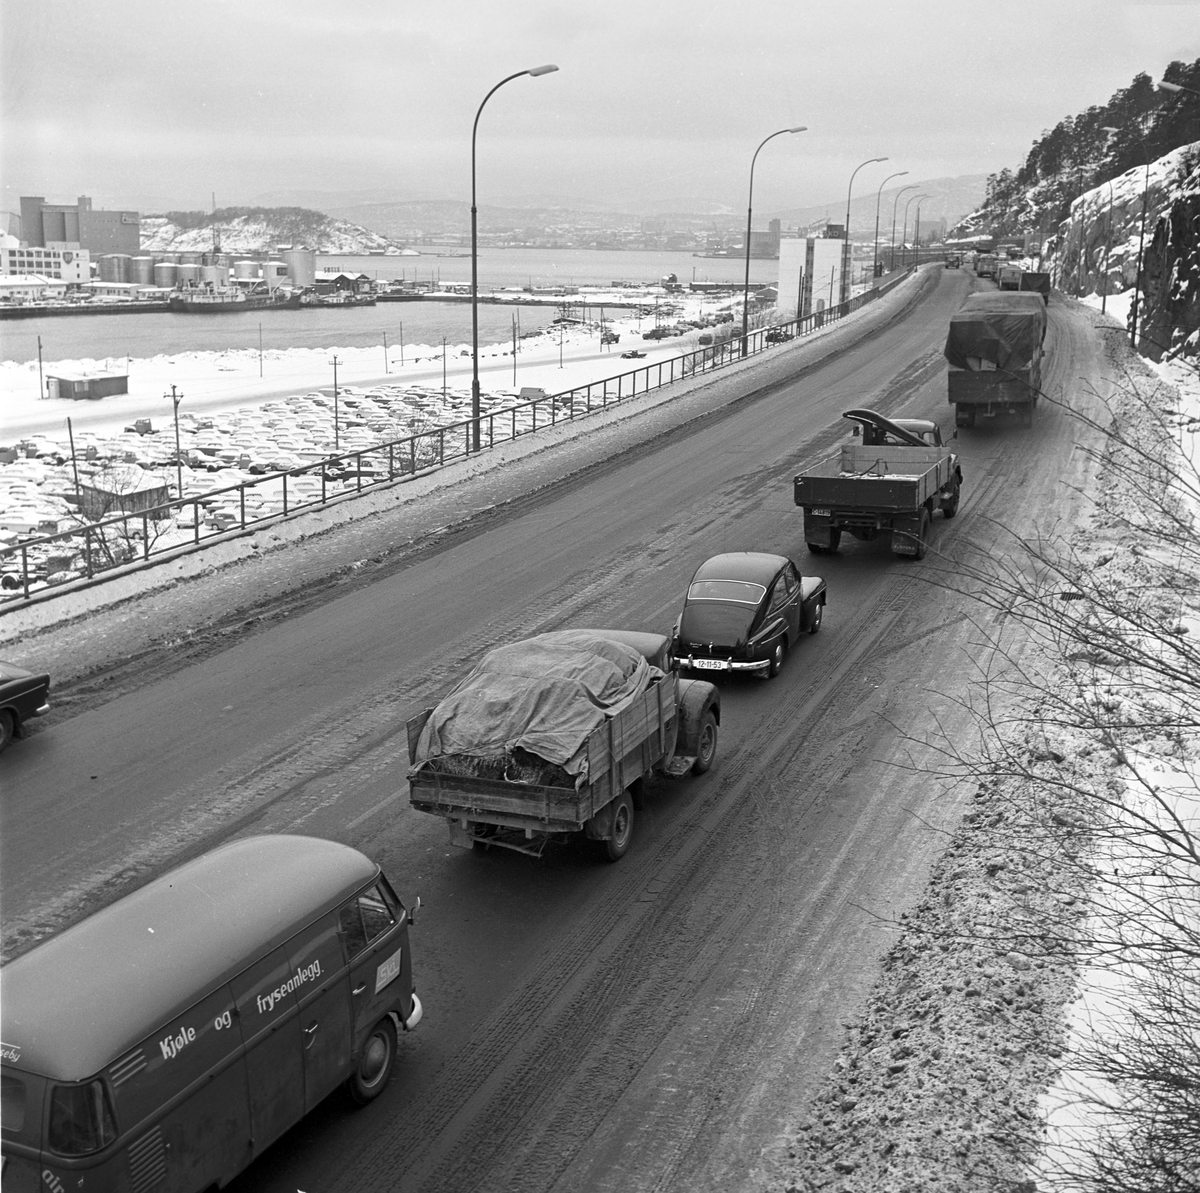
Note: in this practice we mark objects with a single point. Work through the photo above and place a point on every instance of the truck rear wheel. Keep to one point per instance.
(706, 752)
(617, 844)
(923, 535)
(951, 506)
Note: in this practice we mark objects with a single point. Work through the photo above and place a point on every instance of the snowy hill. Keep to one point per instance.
(257, 230)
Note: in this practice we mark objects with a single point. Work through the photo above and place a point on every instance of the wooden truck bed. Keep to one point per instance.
(888, 479)
(619, 751)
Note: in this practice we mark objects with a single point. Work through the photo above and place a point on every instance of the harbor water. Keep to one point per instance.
(115, 337)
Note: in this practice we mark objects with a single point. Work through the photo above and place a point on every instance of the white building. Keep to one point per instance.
(70, 265)
(30, 287)
(810, 275)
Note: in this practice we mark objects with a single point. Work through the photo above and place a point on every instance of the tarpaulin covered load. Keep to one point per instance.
(542, 696)
(999, 329)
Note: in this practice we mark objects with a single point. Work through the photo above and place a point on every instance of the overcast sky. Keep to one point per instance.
(156, 104)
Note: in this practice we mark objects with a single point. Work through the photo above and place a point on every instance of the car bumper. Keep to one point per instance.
(418, 1013)
(721, 666)
(41, 711)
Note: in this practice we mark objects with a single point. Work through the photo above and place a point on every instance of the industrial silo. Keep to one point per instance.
(114, 267)
(188, 274)
(216, 276)
(245, 270)
(166, 273)
(142, 270)
(301, 265)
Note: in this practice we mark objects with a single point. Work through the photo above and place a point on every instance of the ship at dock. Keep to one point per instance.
(217, 300)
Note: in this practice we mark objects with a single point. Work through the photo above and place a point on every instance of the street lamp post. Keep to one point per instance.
(847, 253)
(875, 246)
(533, 72)
(917, 234)
(904, 231)
(749, 215)
(896, 200)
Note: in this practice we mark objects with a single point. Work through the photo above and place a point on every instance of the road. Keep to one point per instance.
(650, 1025)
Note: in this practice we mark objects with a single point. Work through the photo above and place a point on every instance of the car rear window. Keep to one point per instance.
(741, 591)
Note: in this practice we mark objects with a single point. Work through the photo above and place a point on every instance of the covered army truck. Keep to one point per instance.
(995, 348)
(554, 735)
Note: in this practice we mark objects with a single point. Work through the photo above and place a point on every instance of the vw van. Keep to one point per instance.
(164, 1042)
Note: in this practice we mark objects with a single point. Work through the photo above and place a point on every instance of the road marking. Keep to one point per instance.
(391, 799)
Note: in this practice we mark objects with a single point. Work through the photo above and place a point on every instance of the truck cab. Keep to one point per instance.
(923, 428)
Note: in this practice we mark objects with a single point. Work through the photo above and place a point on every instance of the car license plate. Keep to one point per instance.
(822, 513)
(708, 664)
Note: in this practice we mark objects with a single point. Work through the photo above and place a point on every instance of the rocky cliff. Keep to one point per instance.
(1097, 246)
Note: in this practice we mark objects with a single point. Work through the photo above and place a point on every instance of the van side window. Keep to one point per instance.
(365, 918)
(81, 1119)
(12, 1103)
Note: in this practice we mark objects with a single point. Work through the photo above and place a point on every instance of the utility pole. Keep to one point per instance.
(402, 343)
(385, 359)
(41, 382)
(443, 368)
(176, 398)
(260, 349)
(336, 429)
(74, 464)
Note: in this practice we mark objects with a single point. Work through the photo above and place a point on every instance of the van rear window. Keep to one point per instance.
(12, 1103)
(81, 1119)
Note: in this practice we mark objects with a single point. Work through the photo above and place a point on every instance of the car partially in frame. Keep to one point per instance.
(23, 695)
(744, 611)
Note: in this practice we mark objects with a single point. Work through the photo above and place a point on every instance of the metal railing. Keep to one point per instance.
(92, 550)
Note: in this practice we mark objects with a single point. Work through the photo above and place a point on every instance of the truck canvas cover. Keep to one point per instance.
(1003, 329)
(543, 696)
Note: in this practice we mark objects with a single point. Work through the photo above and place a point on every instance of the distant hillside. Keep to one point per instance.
(257, 230)
(1077, 154)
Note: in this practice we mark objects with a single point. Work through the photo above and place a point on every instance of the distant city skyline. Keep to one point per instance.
(157, 107)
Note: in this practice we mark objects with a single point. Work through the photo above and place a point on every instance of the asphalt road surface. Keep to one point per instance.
(655, 1024)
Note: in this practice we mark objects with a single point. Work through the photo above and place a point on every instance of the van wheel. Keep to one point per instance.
(617, 845)
(706, 752)
(375, 1064)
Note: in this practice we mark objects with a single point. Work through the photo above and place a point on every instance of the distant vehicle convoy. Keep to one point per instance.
(168, 1040)
(553, 736)
(995, 347)
(891, 484)
(744, 611)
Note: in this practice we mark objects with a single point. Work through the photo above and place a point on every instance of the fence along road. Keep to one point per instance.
(112, 546)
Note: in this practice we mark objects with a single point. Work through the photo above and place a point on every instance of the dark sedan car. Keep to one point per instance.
(744, 610)
(22, 695)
